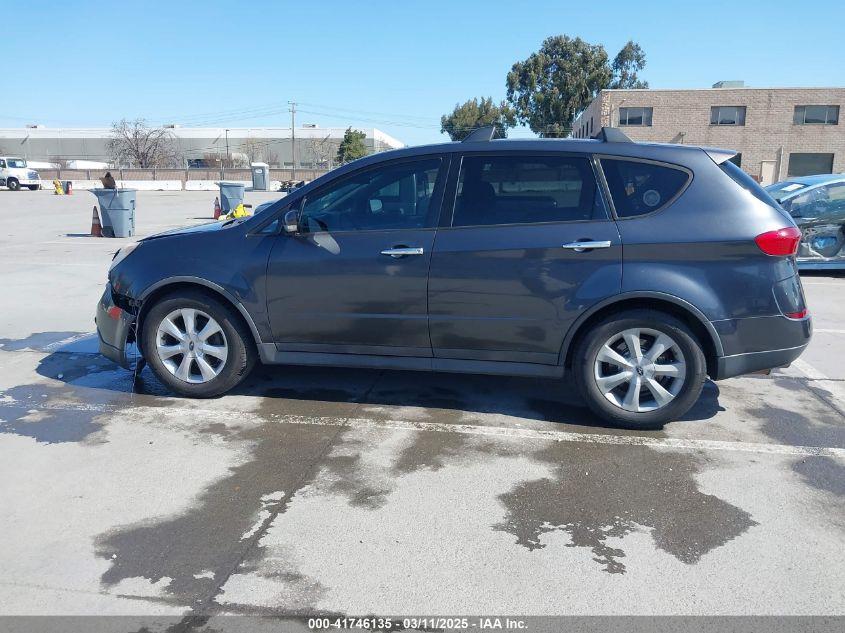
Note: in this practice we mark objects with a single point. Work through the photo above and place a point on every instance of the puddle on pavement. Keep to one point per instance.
(796, 429)
(824, 473)
(26, 416)
(601, 492)
(216, 533)
(80, 389)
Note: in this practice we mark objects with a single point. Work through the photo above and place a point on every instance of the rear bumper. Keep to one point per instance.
(756, 344)
(113, 328)
(739, 364)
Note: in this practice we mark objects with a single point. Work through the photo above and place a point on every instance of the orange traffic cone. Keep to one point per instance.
(96, 228)
(217, 209)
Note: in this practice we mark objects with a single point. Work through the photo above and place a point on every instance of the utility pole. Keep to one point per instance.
(293, 138)
(227, 146)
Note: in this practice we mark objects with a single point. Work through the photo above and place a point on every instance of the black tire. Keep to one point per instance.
(13, 184)
(34, 187)
(589, 345)
(241, 349)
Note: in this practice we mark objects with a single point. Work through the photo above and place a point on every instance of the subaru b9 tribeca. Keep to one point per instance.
(636, 270)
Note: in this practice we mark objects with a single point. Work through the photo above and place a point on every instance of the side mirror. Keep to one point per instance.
(291, 222)
(376, 206)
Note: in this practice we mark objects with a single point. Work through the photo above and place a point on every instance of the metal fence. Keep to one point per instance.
(176, 174)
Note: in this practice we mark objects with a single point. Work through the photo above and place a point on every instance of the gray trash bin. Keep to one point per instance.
(117, 210)
(231, 195)
(260, 176)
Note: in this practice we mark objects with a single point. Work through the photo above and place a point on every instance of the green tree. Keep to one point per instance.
(352, 146)
(475, 114)
(625, 66)
(554, 85)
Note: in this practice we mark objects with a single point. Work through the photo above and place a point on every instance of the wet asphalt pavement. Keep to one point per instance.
(365, 492)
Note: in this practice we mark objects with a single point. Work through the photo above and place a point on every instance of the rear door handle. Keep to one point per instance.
(580, 247)
(402, 251)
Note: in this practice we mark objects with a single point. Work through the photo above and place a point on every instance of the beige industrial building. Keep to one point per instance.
(777, 132)
(315, 146)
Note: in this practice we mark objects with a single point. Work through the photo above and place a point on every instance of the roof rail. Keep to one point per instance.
(612, 135)
(485, 133)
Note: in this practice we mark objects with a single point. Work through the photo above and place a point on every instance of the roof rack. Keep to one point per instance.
(612, 135)
(485, 133)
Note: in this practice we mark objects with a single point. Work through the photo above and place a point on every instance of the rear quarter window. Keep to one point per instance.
(748, 183)
(638, 188)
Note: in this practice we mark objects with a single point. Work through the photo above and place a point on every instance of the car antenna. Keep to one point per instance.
(485, 133)
(612, 135)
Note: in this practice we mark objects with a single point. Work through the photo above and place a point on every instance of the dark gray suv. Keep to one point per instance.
(635, 269)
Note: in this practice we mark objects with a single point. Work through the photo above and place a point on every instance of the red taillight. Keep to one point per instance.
(780, 243)
(797, 315)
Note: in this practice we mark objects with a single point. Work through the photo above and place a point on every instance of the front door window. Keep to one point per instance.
(389, 198)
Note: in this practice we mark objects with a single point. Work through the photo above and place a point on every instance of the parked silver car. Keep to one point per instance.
(817, 204)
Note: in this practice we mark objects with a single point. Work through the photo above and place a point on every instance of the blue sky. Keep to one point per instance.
(394, 65)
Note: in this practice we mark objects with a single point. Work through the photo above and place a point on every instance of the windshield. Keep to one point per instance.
(16, 163)
(781, 190)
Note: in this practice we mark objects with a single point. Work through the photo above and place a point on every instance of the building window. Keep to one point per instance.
(816, 115)
(727, 115)
(802, 164)
(736, 159)
(635, 116)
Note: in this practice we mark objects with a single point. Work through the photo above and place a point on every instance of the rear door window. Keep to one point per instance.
(497, 190)
(638, 188)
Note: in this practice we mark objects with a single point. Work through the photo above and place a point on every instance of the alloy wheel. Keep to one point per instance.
(191, 345)
(640, 369)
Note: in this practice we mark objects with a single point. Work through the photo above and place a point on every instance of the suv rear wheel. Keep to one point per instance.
(196, 345)
(640, 368)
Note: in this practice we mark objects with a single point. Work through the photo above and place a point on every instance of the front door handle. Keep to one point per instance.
(580, 247)
(402, 251)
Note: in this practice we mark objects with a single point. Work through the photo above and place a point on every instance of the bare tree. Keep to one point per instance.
(322, 150)
(136, 144)
(253, 148)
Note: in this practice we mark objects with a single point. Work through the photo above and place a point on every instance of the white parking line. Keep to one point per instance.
(808, 370)
(827, 331)
(240, 417)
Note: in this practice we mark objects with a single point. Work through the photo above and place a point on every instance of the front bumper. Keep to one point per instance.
(114, 326)
(28, 182)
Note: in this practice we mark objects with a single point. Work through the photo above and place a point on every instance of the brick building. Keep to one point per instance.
(778, 132)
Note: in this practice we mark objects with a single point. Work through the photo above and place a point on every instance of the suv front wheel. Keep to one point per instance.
(196, 345)
(640, 368)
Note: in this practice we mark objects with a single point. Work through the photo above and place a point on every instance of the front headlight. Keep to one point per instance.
(123, 253)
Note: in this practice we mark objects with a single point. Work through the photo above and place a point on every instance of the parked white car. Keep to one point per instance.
(15, 174)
